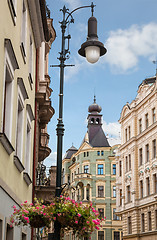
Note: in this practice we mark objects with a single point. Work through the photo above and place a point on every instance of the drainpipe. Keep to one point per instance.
(35, 131)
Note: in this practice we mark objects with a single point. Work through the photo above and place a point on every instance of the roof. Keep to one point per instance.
(99, 139)
(70, 152)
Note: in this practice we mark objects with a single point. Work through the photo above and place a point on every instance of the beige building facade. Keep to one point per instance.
(137, 165)
(23, 32)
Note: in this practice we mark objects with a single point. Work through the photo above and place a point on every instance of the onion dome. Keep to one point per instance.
(94, 107)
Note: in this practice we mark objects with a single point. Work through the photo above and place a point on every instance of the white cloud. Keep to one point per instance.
(72, 4)
(51, 160)
(112, 129)
(125, 47)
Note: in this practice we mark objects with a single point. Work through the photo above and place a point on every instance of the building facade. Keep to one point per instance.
(137, 165)
(23, 32)
(90, 173)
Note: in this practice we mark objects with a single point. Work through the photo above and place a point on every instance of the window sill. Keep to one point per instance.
(27, 178)
(18, 164)
(6, 143)
(12, 11)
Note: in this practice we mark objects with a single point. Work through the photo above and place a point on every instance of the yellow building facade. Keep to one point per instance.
(137, 165)
(22, 32)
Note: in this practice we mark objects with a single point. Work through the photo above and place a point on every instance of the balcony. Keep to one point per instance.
(83, 176)
(44, 150)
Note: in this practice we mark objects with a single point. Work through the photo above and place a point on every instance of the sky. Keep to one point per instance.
(128, 29)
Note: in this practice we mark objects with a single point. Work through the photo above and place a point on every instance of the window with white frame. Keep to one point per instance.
(100, 191)
(10, 66)
(141, 188)
(28, 151)
(155, 182)
(114, 191)
(114, 169)
(100, 235)
(146, 120)
(148, 186)
(115, 217)
(149, 221)
(100, 169)
(86, 169)
(129, 161)
(128, 194)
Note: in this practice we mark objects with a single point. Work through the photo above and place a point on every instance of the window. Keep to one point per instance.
(19, 131)
(72, 177)
(140, 157)
(155, 219)
(128, 194)
(68, 179)
(129, 132)
(100, 169)
(140, 125)
(155, 182)
(149, 221)
(129, 162)
(154, 148)
(12, 7)
(115, 217)
(126, 163)
(31, 61)
(86, 169)
(100, 191)
(100, 235)
(126, 135)
(148, 186)
(142, 223)
(114, 191)
(120, 168)
(120, 196)
(147, 152)
(129, 225)
(146, 120)
(116, 235)
(78, 170)
(1, 228)
(101, 212)
(114, 169)
(84, 154)
(28, 148)
(24, 236)
(153, 115)
(141, 189)
(24, 30)
(102, 153)
(9, 233)
(87, 154)
(98, 153)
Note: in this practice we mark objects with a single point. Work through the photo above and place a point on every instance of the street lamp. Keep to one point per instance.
(92, 49)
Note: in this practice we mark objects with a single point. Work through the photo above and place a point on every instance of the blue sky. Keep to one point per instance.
(128, 30)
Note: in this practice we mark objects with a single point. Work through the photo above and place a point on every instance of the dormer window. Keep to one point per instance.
(97, 121)
(92, 120)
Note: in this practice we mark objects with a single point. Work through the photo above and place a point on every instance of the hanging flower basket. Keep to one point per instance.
(72, 216)
(38, 221)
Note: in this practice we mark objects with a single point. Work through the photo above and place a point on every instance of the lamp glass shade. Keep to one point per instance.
(92, 54)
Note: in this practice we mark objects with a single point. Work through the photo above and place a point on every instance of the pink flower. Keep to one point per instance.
(96, 227)
(26, 218)
(25, 201)
(80, 203)
(76, 222)
(43, 206)
(87, 222)
(79, 214)
(31, 204)
(26, 211)
(73, 201)
(14, 207)
(54, 218)
(11, 226)
(37, 207)
(44, 214)
(41, 212)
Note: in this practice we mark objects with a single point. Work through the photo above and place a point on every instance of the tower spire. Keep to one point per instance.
(94, 98)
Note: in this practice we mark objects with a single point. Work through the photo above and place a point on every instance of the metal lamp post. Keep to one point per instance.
(92, 49)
